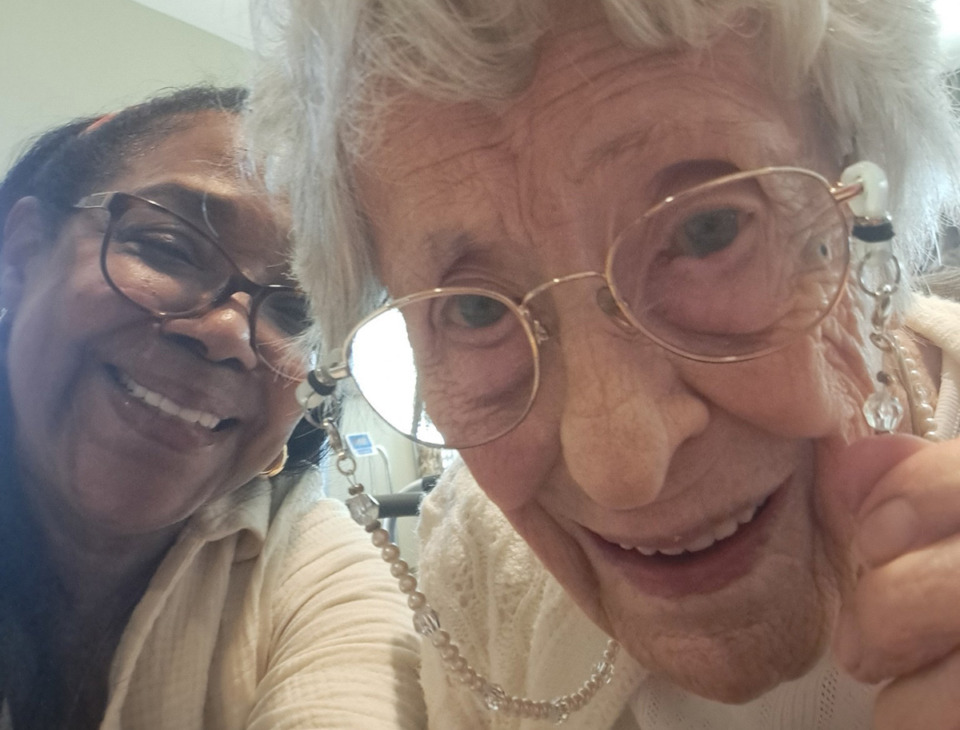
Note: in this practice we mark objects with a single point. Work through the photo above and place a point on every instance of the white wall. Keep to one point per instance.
(61, 59)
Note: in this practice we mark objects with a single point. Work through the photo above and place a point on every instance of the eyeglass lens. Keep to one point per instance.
(733, 269)
(725, 270)
(462, 368)
(166, 266)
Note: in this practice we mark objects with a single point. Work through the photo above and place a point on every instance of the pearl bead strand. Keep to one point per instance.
(363, 509)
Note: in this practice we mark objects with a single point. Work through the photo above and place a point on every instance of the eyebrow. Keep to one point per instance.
(593, 157)
(448, 247)
(200, 207)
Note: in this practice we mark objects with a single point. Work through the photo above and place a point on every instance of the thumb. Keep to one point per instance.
(849, 481)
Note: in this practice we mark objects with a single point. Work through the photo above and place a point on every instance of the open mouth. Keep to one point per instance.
(698, 562)
(163, 404)
(706, 540)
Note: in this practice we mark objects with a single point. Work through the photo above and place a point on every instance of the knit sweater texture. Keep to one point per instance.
(272, 611)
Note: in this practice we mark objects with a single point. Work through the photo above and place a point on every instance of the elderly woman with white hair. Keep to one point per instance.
(638, 260)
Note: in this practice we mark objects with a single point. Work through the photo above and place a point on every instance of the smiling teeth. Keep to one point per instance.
(721, 532)
(165, 405)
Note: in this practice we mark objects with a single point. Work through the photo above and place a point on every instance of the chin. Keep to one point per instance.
(738, 644)
(734, 674)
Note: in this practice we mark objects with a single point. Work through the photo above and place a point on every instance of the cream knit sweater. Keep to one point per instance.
(516, 626)
(272, 611)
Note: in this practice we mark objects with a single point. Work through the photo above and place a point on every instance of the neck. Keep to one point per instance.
(101, 572)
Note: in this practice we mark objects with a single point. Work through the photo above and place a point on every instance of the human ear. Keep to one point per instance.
(23, 239)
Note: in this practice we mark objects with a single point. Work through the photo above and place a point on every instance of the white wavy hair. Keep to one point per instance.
(872, 65)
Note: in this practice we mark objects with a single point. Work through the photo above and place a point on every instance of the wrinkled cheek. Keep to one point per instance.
(812, 389)
(515, 470)
(511, 471)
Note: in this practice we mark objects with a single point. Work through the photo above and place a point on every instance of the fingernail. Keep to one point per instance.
(846, 643)
(888, 531)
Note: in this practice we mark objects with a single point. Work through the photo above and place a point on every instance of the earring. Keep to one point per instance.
(276, 466)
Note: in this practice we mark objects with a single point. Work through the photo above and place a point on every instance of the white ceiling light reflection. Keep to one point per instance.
(382, 363)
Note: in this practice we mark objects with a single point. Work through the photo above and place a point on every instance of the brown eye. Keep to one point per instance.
(708, 232)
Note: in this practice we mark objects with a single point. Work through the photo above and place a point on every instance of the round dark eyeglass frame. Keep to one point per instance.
(118, 203)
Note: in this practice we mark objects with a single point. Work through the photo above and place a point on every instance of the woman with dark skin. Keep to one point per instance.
(165, 557)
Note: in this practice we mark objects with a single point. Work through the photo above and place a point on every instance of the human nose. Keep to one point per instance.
(220, 335)
(625, 414)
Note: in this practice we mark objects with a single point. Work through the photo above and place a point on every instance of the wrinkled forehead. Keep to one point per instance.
(598, 96)
(597, 113)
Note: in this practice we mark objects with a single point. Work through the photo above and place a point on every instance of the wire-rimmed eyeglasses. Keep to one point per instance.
(728, 270)
(170, 268)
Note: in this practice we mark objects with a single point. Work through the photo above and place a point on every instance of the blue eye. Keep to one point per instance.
(474, 310)
(708, 232)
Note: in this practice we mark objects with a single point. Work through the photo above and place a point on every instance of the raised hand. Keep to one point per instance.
(896, 502)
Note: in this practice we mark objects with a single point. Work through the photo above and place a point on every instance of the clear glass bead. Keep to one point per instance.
(426, 621)
(364, 509)
(494, 697)
(604, 671)
(558, 712)
(883, 411)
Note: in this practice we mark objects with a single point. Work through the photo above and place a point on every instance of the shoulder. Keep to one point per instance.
(312, 534)
(327, 613)
(937, 318)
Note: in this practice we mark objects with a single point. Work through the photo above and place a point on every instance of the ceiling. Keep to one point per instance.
(229, 19)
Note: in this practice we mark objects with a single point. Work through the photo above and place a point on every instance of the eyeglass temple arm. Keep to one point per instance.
(96, 200)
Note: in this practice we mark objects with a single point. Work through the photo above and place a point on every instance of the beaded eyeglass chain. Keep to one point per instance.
(365, 512)
(878, 276)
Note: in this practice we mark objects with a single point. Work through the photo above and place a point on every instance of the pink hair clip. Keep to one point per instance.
(99, 122)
